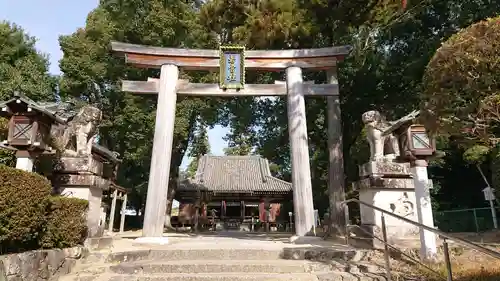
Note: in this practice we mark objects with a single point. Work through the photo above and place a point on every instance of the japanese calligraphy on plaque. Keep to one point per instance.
(232, 67)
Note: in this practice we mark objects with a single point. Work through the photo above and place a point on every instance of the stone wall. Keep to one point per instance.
(39, 265)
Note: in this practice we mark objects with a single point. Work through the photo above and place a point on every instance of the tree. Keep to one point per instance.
(241, 150)
(198, 147)
(22, 69)
(239, 144)
(269, 24)
(462, 86)
(462, 93)
(386, 41)
(93, 74)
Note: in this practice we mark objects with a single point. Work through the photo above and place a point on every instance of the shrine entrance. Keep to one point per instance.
(232, 62)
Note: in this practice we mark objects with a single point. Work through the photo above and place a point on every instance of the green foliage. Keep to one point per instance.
(7, 157)
(23, 200)
(461, 84)
(384, 71)
(66, 223)
(461, 94)
(495, 167)
(191, 168)
(391, 51)
(22, 67)
(92, 73)
(477, 154)
(198, 147)
(30, 218)
(241, 150)
(255, 23)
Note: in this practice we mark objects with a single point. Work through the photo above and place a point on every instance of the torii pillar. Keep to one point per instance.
(154, 213)
(299, 153)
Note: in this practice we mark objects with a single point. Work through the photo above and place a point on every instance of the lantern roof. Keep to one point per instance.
(107, 154)
(60, 112)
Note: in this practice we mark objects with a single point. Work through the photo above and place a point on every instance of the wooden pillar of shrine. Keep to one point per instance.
(301, 172)
(242, 206)
(336, 189)
(124, 209)
(114, 197)
(154, 213)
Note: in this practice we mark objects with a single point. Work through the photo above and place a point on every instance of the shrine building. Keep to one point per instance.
(234, 192)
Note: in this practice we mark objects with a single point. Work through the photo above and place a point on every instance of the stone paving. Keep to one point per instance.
(225, 240)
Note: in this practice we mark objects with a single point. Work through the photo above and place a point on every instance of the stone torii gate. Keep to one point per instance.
(168, 86)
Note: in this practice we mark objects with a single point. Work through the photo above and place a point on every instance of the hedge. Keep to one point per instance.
(66, 224)
(24, 198)
(30, 218)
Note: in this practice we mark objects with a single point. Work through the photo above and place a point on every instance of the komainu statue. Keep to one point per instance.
(76, 138)
(382, 146)
(380, 133)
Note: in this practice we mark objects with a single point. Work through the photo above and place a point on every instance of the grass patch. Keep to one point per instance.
(467, 265)
(466, 271)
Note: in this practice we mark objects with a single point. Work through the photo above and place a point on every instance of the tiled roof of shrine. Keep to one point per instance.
(235, 174)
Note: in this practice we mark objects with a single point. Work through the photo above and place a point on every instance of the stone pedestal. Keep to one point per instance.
(24, 163)
(428, 247)
(82, 177)
(94, 196)
(389, 186)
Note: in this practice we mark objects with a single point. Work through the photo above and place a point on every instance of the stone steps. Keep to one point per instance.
(292, 253)
(202, 266)
(235, 276)
(195, 254)
(292, 264)
(205, 270)
(227, 266)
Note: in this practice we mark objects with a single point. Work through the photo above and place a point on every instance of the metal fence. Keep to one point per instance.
(465, 220)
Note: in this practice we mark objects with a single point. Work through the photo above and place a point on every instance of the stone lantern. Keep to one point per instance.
(419, 142)
(396, 180)
(28, 129)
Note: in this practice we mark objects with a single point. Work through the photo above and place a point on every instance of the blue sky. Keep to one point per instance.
(47, 19)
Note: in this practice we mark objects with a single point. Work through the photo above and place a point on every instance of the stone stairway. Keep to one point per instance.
(226, 264)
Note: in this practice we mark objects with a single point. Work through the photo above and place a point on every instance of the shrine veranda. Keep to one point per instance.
(232, 62)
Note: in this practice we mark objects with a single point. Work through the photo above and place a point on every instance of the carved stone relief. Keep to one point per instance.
(377, 231)
(403, 206)
(384, 183)
(386, 169)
